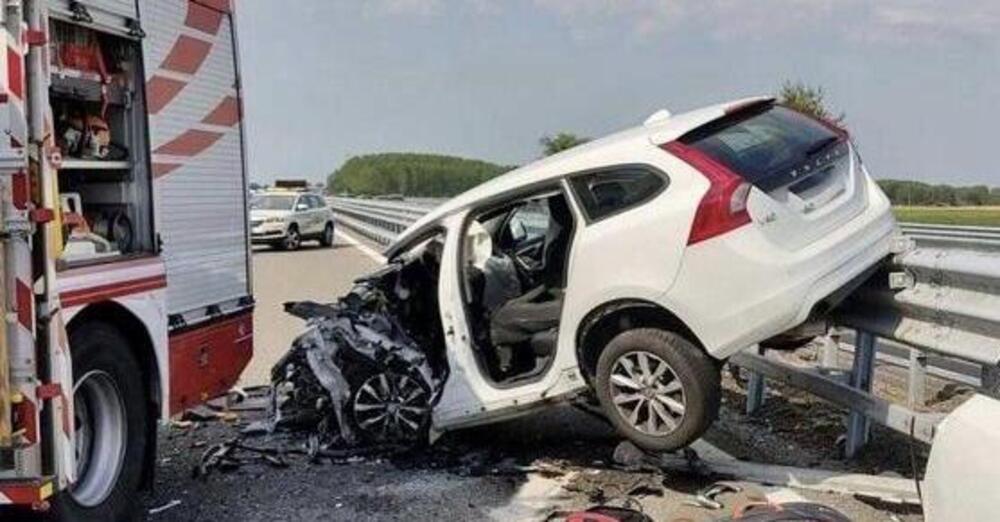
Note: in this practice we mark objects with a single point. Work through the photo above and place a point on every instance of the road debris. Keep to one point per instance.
(160, 509)
(630, 511)
(891, 489)
(793, 511)
(706, 497)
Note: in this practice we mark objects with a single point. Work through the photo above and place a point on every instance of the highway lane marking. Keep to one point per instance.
(365, 249)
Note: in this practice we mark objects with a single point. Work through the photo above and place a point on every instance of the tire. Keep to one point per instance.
(327, 238)
(293, 239)
(679, 388)
(373, 417)
(111, 412)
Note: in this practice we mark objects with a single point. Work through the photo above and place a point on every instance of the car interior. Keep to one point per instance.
(412, 279)
(514, 264)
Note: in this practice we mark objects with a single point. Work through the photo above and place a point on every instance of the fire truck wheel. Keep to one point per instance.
(110, 417)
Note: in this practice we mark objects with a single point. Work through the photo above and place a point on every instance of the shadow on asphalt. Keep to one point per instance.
(305, 247)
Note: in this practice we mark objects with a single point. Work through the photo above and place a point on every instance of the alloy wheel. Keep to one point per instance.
(647, 393)
(292, 239)
(391, 407)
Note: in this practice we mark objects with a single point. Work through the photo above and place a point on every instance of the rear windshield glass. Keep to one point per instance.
(769, 145)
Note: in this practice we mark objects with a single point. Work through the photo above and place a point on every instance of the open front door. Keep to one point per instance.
(506, 260)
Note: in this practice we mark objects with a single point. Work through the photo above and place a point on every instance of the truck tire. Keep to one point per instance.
(657, 388)
(327, 238)
(110, 423)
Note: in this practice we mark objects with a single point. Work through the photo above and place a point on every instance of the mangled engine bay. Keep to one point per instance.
(371, 366)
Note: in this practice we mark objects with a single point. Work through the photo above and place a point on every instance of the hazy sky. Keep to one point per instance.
(324, 80)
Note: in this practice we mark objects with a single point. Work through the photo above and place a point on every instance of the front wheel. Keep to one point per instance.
(657, 388)
(327, 238)
(391, 407)
(110, 427)
(293, 240)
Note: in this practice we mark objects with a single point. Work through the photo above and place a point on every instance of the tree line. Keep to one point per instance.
(432, 175)
(915, 193)
(410, 174)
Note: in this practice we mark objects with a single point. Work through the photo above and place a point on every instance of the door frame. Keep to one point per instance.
(470, 397)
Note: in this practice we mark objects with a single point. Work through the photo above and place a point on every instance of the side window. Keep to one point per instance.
(302, 203)
(607, 192)
(319, 202)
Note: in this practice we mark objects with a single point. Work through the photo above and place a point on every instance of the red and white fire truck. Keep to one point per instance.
(124, 250)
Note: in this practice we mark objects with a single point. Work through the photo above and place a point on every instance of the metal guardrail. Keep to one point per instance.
(379, 221)
(943, 298)
(965, 237)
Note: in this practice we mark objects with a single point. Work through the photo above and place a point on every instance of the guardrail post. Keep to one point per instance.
(918, 378)
(828, 354)
(756, 389)
(862, 372)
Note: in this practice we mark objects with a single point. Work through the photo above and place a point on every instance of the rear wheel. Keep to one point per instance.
(327, 238)
(110, 427)
(657, 388)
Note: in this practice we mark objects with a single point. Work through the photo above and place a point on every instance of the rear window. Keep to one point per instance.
(607, 192)
(769, 146)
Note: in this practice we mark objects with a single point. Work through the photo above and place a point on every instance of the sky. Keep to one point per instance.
(324, 80)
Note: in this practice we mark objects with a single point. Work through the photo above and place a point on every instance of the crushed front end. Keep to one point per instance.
(371, 366)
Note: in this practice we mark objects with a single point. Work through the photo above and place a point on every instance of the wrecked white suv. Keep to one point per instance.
(628, 269)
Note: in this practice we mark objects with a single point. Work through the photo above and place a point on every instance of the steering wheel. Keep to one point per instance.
(526, 260)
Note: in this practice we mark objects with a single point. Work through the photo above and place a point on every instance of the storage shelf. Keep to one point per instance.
(66, 72)
(84, 164)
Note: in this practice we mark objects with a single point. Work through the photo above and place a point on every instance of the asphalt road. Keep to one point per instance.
(527, 469)
(312, 273)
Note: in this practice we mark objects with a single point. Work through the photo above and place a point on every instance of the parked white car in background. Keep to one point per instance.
(285, 218)
(633, 265)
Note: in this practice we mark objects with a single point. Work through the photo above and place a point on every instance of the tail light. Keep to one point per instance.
(724, 206)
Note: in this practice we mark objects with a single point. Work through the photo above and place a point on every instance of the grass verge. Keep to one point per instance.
(969, 216)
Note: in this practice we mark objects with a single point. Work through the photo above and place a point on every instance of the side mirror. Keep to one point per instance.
(301, 206)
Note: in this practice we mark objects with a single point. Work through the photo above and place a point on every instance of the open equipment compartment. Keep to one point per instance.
(98, 106)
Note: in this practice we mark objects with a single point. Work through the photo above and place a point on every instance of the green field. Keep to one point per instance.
(973, 216)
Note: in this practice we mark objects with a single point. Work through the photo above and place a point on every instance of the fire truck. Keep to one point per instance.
(124, 242)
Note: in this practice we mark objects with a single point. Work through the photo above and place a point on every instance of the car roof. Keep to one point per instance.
(657, 130)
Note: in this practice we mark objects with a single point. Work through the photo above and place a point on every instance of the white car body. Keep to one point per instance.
(728, 292)
(308, 216)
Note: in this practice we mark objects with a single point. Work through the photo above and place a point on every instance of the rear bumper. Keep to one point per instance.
(31, 493)
(741, 290)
